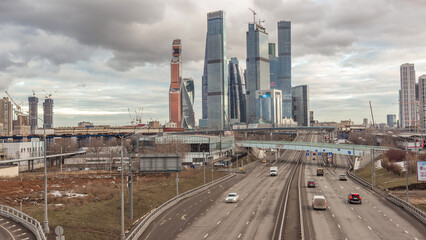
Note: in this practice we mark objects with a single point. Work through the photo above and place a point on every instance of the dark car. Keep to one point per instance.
(354, 198)
(311, 183)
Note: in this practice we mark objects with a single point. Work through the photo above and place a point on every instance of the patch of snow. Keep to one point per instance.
(379, 164)
(59, 205)
(56, 193)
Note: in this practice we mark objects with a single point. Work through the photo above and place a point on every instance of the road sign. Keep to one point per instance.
(319, 154)
(421, 171)
(307, 154)
(330, 153)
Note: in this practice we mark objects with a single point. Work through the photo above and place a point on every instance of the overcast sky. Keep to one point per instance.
(99, 58)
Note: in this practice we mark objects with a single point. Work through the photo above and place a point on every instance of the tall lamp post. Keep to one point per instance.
(46, 221)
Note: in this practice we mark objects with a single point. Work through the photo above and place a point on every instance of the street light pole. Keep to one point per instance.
(46, 221)
(406, 171)
(60, 164)
(122, 236)
(204, 168)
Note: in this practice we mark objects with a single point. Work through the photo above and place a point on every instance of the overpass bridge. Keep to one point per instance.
(344, 149)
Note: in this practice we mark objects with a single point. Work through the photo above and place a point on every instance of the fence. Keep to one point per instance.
(29, 222)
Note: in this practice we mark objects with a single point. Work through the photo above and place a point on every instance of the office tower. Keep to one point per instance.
(204, 88)
(268, 106)
(422, 100)
(284, 65)
(188, 103)
(311, 118)
(301, 105)
(33, 112)
(6, 116)
(257, 63)
(273, 66)
(237, 92)
(391, 120)
(48, 113)
(175, 91)
(217, 72)
(408, 95)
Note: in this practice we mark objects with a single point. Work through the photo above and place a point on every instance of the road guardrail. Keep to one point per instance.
(29, 222)
(138, 229)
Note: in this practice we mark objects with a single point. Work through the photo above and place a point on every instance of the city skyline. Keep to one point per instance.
(346, 58)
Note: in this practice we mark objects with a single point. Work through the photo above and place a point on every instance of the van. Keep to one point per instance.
(319, 202)
(320, 172)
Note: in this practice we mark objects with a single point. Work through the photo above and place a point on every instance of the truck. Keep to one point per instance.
(273, 171)
(320, 172)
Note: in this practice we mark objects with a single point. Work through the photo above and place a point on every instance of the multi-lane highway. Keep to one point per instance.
(11, 230)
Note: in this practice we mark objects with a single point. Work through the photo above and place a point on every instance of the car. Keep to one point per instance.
(232, 198)
(311, 183)
(354, 198)
(264, 160)
(320, 171)
(313, 158)
(319, 202)
(219, 164)
(342, 177)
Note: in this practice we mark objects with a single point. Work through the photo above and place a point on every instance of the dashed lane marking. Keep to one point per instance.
(228, 213)
(218, 223)
(205, 236)
(183, 217)
(369, 227)
(406, 231)
(338, 225)
(239, 235)
(359, 216)
(332, 215)
(247, 222)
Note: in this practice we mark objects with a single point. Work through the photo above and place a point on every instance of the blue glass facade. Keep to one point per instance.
(237, 92)
(204, 87)
(284, 66)
(257, 62)
(217, 71)
(301, 105)
(188, 103)
(273, 66)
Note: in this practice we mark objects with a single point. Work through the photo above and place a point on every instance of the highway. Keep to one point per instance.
(375, 218)
(11, 230)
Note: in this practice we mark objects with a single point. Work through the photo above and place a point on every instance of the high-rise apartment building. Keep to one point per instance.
(284, 65)
(273, 66)
(33, 112)
(257, 63)
(237, 92)
(175, 90)
(408, 96)
(48, 113)
(391, 120)
(301, 105)
(188, 103)
(268, 106)
(6, 117)
(422, 100)
(217, 71)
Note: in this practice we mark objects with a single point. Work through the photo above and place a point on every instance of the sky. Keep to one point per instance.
(98, 59)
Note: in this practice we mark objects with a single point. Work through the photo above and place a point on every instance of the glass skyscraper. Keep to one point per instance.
(268, 106)
(284, 65)
(188, 103)
(217, 72)
(237, 92)
(301, 105)
(273, 66)
(258, 76)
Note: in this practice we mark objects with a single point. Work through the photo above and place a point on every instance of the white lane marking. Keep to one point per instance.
(406, 231)
(205, 236)
(239, 235)
(252, 213)
(16, 230)
(247, 222)
(390, 219)
(235, 205)
(341, 187)
(162, 222)
(332, 215)
(228, 213)
(183, 217)
(338, 225)
(325, 186)
(359, 216)
(218, 223)
(374, 206)
(369, 227)
(352, 208)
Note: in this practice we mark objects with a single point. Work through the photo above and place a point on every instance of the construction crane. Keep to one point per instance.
(20, 116)
(254, 15)
(132, 121)
(371, 109)
(48, 94)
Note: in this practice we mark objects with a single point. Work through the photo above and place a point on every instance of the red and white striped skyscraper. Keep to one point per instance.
(175, 96)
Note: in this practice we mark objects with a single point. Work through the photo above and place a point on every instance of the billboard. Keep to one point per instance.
(421, 171)
(160, 163)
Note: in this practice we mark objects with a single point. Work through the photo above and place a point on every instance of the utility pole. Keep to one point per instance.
(406, 171)
(204, 168)
(130, 183)
(46, 221)
(122, 236)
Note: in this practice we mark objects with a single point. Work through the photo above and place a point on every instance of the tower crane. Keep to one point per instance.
(20, 116)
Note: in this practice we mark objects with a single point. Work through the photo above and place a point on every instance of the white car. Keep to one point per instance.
(319, 202)
(232, 197)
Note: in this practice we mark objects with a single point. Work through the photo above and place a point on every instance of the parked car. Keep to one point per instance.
(219, 164)
(232, 198)
(342, 177)
(311, 183)
(319, 202)
(354, 198)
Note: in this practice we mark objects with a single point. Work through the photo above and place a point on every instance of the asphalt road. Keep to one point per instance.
(11, 230)
(375, 218)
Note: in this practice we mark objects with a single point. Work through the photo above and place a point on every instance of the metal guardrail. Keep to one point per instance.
(137, 231)
(29, 222)
(417, 213)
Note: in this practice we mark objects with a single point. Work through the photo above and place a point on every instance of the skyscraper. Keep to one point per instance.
(188, 103)
(268, 106)
(408, 95)
(33, 112)
(204, 87)
(301, 105)
(257, 63)
(48, 113)
(6, 116)
(273, 66)
(391, 120)
(422, 100)
(237, 92)
(284, 65)
(217, 71)
(175, 91)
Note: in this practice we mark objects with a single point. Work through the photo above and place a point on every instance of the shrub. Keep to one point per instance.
(395, 155)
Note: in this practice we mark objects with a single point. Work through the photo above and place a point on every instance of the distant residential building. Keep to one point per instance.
(85, 124)
(273, 66)
(175, 90)
(311, 118)
(237, 92)
(257, 64)
(408, 95)
(284, 66)
(217, 71)
(48, 113)
(188, 103)
(268, 106)
(391, 120)
(365, 122)
(422, 100)
(301, 105)
(6, 116)
(33, 112)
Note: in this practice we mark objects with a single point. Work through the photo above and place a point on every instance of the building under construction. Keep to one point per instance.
(175, 91)
(48, 113)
